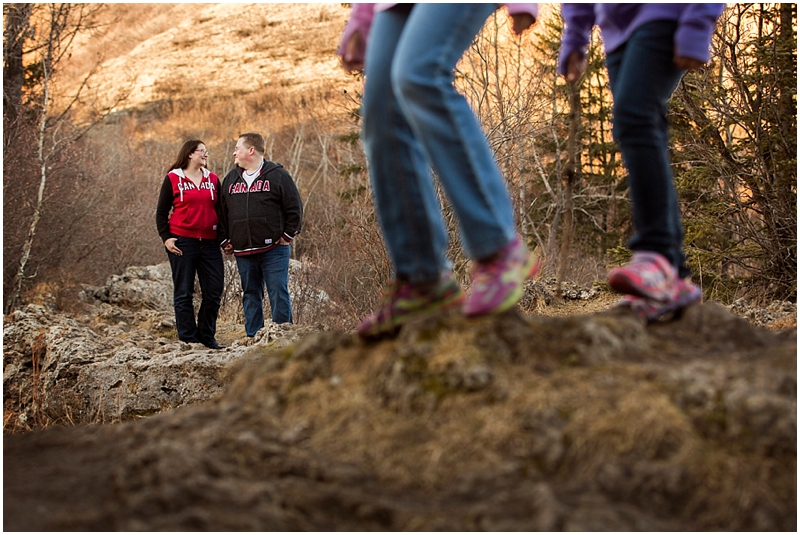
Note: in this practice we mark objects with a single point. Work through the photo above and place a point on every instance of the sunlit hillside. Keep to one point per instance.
(160, 51)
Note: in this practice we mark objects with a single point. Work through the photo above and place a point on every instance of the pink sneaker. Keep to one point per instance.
(498, 283)
(648, 275)
(404, 302)
(684, 293)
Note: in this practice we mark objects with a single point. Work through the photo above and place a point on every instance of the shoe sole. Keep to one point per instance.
(670, 310)
(398, 321)
(675, 308)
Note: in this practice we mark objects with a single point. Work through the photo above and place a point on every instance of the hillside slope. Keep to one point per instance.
(160, 51)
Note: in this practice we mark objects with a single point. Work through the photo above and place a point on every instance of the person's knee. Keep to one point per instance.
(632, 122)
(212, 299)
(183, 294)
(414, 80)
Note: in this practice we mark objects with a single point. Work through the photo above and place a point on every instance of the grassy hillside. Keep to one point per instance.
(211, 50)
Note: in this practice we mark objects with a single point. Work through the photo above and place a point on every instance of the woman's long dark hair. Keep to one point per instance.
(183, 156)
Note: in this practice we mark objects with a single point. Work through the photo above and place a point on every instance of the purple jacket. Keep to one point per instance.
(361, 16)
(696, 23)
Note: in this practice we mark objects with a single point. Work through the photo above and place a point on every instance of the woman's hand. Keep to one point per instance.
(170, 245)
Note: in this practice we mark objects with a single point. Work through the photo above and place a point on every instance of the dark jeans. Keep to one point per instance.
(270, 268)
(204, 258)
(643, 76)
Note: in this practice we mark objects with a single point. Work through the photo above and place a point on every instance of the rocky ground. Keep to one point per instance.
(557, 416)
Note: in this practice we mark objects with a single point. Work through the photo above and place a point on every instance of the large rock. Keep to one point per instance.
(148, 287)
(120, 359)
(60, 369)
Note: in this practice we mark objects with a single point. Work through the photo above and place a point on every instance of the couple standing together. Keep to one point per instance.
(254, 215)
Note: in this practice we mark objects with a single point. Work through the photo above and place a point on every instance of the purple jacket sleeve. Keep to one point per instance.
(695, 28)
(578, 21)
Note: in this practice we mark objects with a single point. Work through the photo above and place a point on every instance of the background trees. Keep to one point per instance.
(734, 149)
(43, 129)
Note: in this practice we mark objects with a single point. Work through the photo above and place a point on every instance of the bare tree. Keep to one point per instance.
(15, 31)
(51, 32)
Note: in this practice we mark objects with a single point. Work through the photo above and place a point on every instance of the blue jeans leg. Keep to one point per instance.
(402, 186)
(275, 267)
(252, 293)
(643, 76)
(270, 268)
(413, 120)
(434, 38)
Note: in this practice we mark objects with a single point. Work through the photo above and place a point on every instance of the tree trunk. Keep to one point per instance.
(15, 30)
(37, 211)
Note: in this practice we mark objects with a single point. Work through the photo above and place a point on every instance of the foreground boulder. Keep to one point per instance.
(512, 422)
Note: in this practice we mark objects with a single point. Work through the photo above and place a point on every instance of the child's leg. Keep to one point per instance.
(434, 39)
(405, 199)
(642, 78)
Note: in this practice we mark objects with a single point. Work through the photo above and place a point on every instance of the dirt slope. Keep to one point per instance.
(165, 51)
(514, 422)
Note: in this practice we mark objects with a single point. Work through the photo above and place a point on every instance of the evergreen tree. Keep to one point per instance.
(735, 139)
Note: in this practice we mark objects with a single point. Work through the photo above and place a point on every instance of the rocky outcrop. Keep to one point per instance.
(120, 359)
(60, 369)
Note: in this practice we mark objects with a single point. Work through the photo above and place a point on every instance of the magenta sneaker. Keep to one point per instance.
(648, 275)
(684, 293)
(498, 283)
(403, 302)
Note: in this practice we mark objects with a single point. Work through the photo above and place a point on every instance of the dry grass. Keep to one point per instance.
(400, 410)
(214, 50)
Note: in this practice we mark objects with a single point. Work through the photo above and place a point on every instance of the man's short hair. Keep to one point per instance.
(255, 140)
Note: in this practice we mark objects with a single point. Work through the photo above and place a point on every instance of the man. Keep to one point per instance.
(260, 213)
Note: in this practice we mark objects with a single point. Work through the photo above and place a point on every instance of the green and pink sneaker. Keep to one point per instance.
(683, 293)
(404, 301)
(648, 275)
(498, 282)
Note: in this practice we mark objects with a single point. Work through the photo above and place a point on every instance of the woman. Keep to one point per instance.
(189, 234)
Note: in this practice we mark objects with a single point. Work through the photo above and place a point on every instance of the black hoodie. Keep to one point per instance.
(254, 220)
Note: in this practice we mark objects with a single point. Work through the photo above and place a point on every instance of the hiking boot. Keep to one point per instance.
(684, 293)
(498, 282)
(405, 301)
(648, 275)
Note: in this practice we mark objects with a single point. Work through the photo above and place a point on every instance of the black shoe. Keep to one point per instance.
(214, 345)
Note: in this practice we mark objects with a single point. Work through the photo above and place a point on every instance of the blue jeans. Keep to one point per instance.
(203, 258)
(270, 268)
(643, 76)
(414, 120)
